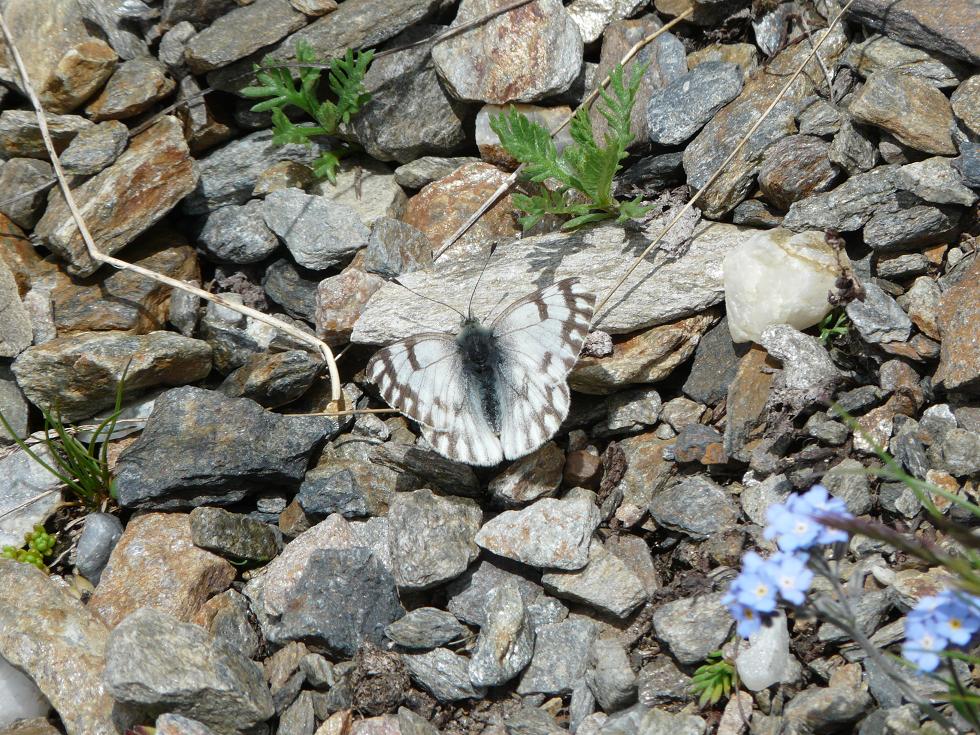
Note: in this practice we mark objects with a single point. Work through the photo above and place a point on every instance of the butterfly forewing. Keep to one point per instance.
(539, 337)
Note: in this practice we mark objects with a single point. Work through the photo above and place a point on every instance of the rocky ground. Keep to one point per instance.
(264, 571)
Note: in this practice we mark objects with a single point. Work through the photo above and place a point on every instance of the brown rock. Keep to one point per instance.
(911, 109)
(583, 468)
(124, 200)
(24, 261)
(20, 135)
(80, 373)
(16, 333)
(126, 301)
(34, 726)
(293, 520)
(647, 472)
(202, 129)
(529, 53)
(951, 27)
(59, 643)
(535, 476)
(133, 88)
(646, 357)
(339, 301)
(155, 564)
(743, 54)
(796, 167)
(440, 208)
(80, 73)
(747, 396)
(959, 315)
(283, 175)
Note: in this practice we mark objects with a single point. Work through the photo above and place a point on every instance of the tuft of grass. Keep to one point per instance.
(585, 166)
(713, 680)
(83, 468)
(833, 326)
(280, 90)
(40, 545)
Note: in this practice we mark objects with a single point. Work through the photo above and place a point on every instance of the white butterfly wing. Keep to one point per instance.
(422, 377)
(540, 337)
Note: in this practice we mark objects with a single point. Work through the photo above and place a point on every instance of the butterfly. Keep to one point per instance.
(490, 392)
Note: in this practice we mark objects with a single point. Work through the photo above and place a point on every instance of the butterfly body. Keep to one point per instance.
(490, 392)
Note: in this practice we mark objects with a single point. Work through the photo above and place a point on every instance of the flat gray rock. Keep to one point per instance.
(318, 232)
(696, 506)
(849, 206)
(561, 656)
(806, 364)
(606, 584)
(467, 595)
(443, 674)
(693, 627)
(426, 627)
(506, 640)
(237, 234)
(98, 539)
(16, 332)
(662, 289)
(677, 112)
(879, 318)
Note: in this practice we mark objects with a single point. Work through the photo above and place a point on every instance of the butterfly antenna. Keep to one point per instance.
(428, 298)
(469, 305)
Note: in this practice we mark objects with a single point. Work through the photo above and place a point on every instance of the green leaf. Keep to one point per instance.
(585, 219)
(325, 166)
(530, 144)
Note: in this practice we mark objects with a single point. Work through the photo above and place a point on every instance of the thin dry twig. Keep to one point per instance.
(512, 179)
(101, 257)
(714, 177)
(438, 38)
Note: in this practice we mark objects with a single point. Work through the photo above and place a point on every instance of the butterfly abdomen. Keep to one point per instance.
(480, 359)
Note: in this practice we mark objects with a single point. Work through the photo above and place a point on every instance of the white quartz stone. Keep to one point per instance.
(765, 659)
(20, 699)
(779, 277)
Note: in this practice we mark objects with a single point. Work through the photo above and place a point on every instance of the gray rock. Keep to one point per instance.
(879, 319)
(156, 663)
(134, 87)
(806, 364)
(395, 247)
(639, 720)
(20, 135)
(957, 452)
(13, 405)
(936, 180)
(228, 174)
(298, 718)
(917, 24)
(467, 595)
(546, 610)
(234, 623)
(318, 232)
(693, 627)
(98, 539)
(911, 227)
(416, 174)
(849, 206)
(237, 234)
(294, 289)
(440, 474)
(826, 430)
(28, 495)
(17, 177)
(171, 724)
(113, 18)
(426, 627)
(682, 286)
(611, 679)
(349, 487)
(343, 598)
(655, 171)
(431, 538)
(233, 536)
(16, 332)
(443, 674)
(48, 373)
(548, 533)
(561, 657)
(95, 148)
(696, 506)
(273, 380)
(366, 186)
(364, 24)
(825, 709)
(854, 148)
(878, 53)
(191, 452)
(848, 481)
(633, 410)
(534, 53)
(409, 114)
(241, 32)
(819, 118)
(678, 111)
(965, 104)
(756, 497)
(660, 682)
(606, 583)
(714, 367)
(199, 12)
(869, 611)
(506, 640)
(172, 46)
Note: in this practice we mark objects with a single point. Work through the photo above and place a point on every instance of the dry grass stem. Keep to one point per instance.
(731, 156)
(93, 251)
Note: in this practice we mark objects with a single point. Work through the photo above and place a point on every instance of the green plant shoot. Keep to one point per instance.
(713, 680)
(83, 468)
(584, 166)
(40, 545)
(346, 81)
(832, 326)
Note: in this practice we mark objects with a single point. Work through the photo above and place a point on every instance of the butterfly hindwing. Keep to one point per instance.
(422, 377)
(539, 338)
